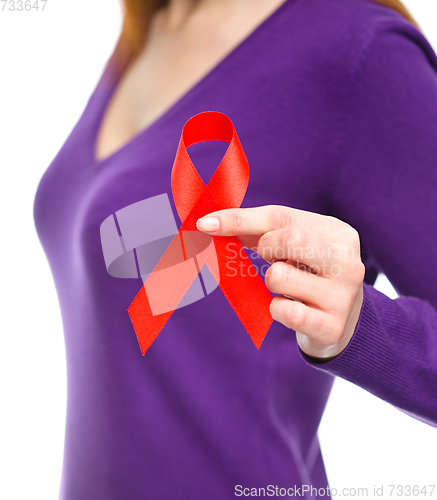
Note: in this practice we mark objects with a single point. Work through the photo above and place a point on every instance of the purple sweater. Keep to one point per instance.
(335, 103)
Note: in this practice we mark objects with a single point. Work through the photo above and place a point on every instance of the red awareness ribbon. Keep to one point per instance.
(176, 271)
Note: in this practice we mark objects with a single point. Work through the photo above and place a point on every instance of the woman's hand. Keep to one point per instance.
(315, 260)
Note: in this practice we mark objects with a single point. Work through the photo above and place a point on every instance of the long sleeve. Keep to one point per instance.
(385, 185)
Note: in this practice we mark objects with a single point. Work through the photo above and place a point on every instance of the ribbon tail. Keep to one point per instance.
(168, 283)
(147, 327)
(243, 288)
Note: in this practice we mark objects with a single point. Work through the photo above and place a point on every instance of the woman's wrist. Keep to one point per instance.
(326, 353)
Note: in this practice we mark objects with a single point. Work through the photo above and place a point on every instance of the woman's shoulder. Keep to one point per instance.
(355, 19)
(338, 34)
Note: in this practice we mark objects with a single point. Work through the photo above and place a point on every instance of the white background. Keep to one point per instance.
(49, 64)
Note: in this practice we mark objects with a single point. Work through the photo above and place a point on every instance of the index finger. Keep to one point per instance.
(248, 221)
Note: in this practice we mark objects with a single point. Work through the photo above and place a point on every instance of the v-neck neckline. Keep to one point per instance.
(181, 101)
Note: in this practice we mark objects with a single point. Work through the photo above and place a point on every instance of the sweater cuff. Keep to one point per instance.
(370, 359)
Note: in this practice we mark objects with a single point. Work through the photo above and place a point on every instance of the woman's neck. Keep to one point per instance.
(178, 13)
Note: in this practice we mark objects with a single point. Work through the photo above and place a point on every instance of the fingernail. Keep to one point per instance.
(208, 224)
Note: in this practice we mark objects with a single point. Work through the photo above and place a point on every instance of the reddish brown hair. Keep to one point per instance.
(137, 14)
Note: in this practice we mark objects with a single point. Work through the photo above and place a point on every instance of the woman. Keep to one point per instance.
(334, 102)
